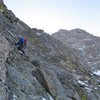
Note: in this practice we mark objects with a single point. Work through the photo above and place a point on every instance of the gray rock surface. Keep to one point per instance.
(48, 70)
(4, 50)
(86, 43)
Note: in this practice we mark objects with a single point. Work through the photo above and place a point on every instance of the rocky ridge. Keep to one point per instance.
(48, 71)
(86, 43)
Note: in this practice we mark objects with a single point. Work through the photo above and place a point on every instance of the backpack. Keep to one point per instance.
(25, 42)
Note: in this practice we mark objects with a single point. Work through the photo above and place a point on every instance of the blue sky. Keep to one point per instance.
(52, 15)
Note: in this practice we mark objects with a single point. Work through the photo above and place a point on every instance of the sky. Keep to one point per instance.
(52, 15)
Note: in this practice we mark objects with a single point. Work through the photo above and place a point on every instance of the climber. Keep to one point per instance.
(20, 44)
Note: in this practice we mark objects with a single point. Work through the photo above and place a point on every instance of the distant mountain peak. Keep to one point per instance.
(81, 40)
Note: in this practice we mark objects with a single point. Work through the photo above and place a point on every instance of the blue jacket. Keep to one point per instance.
(20, 42)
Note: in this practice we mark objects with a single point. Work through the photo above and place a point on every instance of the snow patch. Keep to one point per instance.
(50, 97)
(43, 98)
(81, 49)
(97, 73)
(95, 88)
(39, 34)
(14, 97)
(86, 86)
(88, 62)
(82, 83)
(88, 89)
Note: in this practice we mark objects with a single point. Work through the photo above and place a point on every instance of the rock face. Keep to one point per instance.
(47, 71)
(86, 43)
(4, 50)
